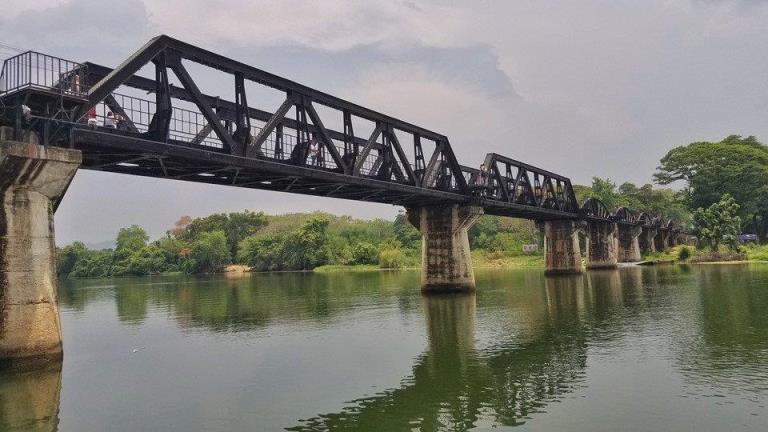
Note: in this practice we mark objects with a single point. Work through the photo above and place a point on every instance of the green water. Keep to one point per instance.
(637, 349)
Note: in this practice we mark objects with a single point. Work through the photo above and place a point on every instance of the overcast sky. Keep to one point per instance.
(583, 88)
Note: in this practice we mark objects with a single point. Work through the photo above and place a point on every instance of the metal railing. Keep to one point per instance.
(189, 126)
(31, 69)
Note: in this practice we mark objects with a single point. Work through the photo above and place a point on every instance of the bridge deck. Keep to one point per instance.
(114, 151)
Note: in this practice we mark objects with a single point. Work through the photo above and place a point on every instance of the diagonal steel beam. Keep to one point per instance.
(323, 132)
(213, 119)
(430, 170)
(114, 106)
(401, 154)
(271, 124)
(126, 70)
(367, 149)
(202, 135)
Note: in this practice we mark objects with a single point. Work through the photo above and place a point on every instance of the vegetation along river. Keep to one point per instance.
(642, 349)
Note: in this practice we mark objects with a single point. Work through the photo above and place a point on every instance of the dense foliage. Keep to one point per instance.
(301, 241)
(735, 166)
(718, 224)
(726, 190)
(646, 199)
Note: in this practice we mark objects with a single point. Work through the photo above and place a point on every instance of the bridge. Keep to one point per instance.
(58, 116)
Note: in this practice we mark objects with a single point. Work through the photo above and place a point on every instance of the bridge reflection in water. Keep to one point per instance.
(501, 357)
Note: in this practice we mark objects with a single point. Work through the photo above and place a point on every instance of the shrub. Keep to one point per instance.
(209, 253)
(391, 258)
(364, 253)
(683, 254)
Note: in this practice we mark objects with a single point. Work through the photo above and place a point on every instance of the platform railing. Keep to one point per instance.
(33, 70)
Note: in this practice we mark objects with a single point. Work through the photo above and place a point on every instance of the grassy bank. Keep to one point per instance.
(480, 259)
(690, 254)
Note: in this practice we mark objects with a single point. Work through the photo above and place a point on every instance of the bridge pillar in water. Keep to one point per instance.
(602, 245)
(629, 243)
(446, 263)
(34, 178)
(562, 254)
(646, 239)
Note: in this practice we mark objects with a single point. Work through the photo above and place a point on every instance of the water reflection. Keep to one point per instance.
(454, 386)
(240, 304)
(501, 357)
(29, 401)
(726, 347)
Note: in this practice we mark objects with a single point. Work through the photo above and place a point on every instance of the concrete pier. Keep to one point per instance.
(33, 179)
(446, 264)
(647, 244)
(629, 244)
(562, 254)
(602, 245)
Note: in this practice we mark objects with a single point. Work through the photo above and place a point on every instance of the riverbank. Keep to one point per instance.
(480, 260)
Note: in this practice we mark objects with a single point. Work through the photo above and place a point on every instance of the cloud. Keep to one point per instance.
(330, 25)
(77, 29)
(589, 88)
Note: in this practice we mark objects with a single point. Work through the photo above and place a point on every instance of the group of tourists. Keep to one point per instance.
(112, 120)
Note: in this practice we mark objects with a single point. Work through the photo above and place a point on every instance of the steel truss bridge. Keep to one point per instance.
(312, 143)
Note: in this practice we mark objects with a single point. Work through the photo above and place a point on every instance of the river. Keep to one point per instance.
(640, 349)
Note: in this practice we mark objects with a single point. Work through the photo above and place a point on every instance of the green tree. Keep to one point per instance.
(605, 190)
(736, 166)
(68, 256)
(718, 224)
(130, 240)
(405, 233)
(582, 193)
(209, 253)
(306, 248)
(235, 226)
(94, 264)
(263, 254)
(364, 253)
(145, 261)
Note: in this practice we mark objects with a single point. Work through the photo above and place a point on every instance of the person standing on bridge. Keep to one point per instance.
(314, 152)
(482, 179)
(91, 117)
(109, 121)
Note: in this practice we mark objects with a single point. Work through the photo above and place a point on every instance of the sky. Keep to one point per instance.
(589, 88)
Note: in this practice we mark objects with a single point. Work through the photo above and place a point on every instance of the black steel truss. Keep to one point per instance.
(291, 149)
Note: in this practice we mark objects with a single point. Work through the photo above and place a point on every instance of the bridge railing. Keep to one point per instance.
(35, 70)
(189, 126)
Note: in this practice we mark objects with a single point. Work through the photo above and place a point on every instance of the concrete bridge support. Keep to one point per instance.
(33, 179)
(562, 254)
(646, 239)
(629, 244)
(446, 263)
(602, 245)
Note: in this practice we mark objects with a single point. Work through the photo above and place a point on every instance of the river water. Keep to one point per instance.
(637, 349)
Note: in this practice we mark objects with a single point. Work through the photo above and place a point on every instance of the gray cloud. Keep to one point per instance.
(582, 88)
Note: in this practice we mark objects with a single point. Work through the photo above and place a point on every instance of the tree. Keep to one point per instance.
(130, 240)
(145, 261)
(405, 233)
(263, 254)
(235, 226)
(306, 248)
(605, 191)
(209, 253)
(68, 256)
(736, 166)
(719, 223)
